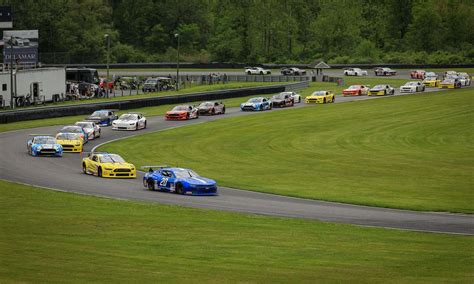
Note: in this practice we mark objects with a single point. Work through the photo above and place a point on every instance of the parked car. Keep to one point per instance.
(257, 71)
(418, 74)
(130, 121)
(292, 71)
(384, 71)
(355, 72)
(412, 87)
(355, 90)
(282, 100)
(381, 90)
(157, 84)
(259, 103)
(103, 117)
(211, 108)
(182, 112)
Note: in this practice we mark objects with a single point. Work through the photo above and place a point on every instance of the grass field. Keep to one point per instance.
(413, 152)
(49, 236)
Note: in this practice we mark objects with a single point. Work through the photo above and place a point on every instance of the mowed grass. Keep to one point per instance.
(412, 152)
(49, 236)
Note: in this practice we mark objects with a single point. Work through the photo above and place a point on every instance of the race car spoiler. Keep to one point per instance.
(155, 167)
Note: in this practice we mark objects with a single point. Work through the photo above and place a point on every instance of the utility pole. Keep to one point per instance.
(177, 64)
(12, 93)
(107, 38)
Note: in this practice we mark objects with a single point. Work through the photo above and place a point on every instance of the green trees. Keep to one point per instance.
(282, 31)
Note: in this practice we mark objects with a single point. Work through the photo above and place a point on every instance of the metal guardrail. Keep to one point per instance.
(70, 110)
(187, 65)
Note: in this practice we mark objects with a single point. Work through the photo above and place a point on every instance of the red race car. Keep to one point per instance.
(182, 112)
(418, 74)
(355, 90)
(102, 84)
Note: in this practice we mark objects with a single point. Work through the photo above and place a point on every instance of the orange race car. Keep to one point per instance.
(182, 112)
(418, 74)
(355, 90)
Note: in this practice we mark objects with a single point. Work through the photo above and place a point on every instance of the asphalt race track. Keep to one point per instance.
(65, 174)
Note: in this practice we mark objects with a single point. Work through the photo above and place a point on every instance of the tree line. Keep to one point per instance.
(252, 31)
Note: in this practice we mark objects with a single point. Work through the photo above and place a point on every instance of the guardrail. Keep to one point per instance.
(70, 110)
(187, 65)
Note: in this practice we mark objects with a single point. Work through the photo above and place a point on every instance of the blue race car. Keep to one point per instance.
(103, 117)
(259, 103)
(178, 180)
(42, 145)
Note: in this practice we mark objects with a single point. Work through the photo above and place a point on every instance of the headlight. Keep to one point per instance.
(38, 148)
(131, 123)
(78, 144)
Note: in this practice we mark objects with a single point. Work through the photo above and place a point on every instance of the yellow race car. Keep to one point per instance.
(321, 97)
(431, 82)
(108, 165)
(450, 83)
(71, 142)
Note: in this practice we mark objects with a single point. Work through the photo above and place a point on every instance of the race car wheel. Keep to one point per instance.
(324, 101)
(150, 185)
(179, 189)
(333, 99)
(84, 169)
(187, 116)
(213, 111)
(261, 108)
(360, 93)
(223, 110)
(249, 73)
(144, 126)
(136, 126)
(99, 172)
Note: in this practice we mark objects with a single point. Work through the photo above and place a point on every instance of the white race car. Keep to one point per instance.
(256, 71)
(412, 87)
(464, 78)
(91, 128)
(296, 97)
(355, 72)
(129, 121)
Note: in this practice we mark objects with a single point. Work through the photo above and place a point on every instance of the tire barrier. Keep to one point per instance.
(80, 109)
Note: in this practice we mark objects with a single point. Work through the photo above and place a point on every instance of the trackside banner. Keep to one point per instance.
(22, 45)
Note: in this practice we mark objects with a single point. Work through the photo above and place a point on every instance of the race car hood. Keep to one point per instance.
(118, 165)
(176, 112)
(95, 118)
(250, 104)
(124, 120)
(205, 107)
(277, 100)
(315, 96)
(198, 181)
(69, 141)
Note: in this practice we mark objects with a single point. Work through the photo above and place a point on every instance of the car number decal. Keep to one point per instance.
(163, 181)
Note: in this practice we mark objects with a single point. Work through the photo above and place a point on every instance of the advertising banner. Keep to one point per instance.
(22, 45)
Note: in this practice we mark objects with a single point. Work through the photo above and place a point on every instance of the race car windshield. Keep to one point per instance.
(354, 87)
(319, 93)
(45, 140)
(180, 108)
(379, 87)
(67, 136)
(255, 100)
(185, 174)
(206, 104)
(72, 129)
(411, 84)
(279, 96)
(128, 116)
(99, 114)
(430, 74)
(449, 81)
(84, 124)
(111, 159)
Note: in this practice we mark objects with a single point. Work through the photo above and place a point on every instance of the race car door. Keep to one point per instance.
(167, 181)
(92, 166)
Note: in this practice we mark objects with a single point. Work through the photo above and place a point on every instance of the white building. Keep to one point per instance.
(33, 85)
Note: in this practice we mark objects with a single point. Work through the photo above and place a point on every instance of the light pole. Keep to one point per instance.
(12, 94)
(177, 64)
(107, 42)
